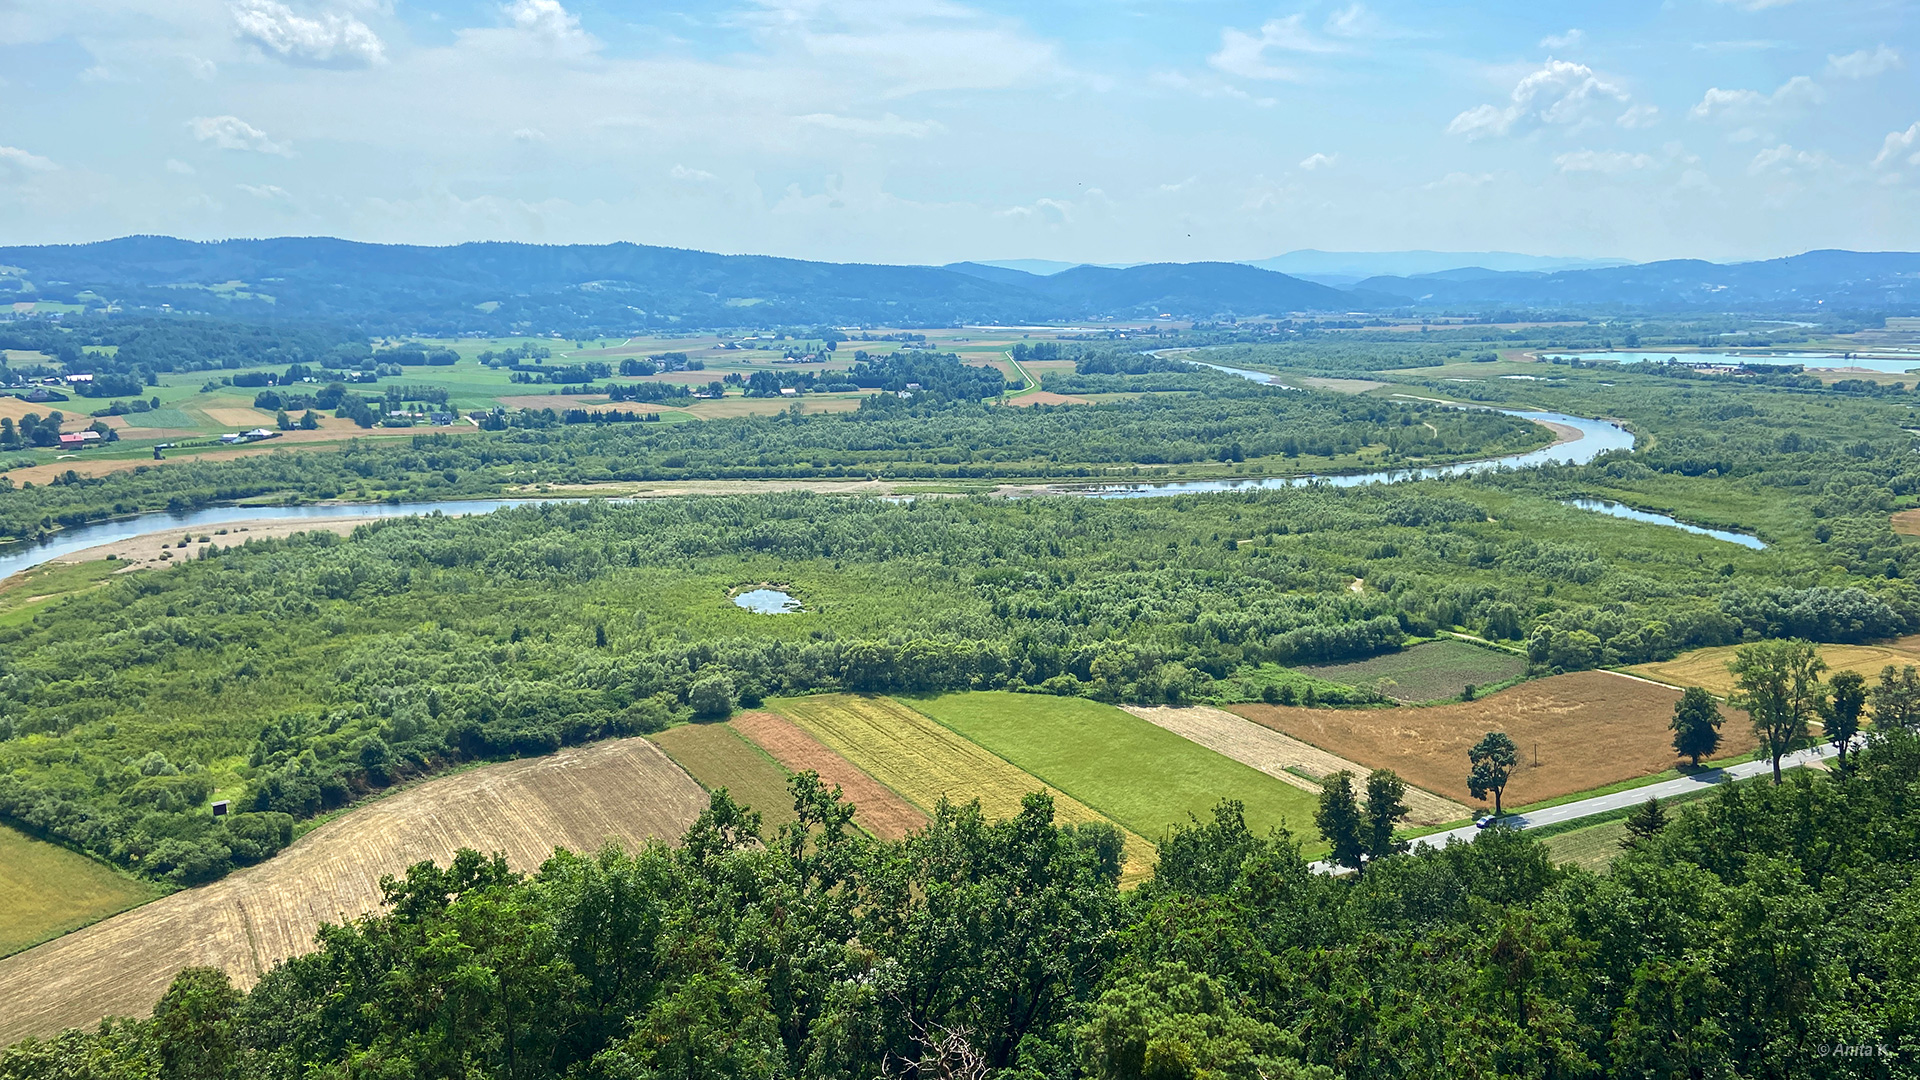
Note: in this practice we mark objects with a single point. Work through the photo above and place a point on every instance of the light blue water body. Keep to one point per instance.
(26, 554)
(767, 602)
(1614, 509)
(1891, 364)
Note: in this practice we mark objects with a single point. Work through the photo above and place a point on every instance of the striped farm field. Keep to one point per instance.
(1141, 775)
(718, 757)
(621, 791)
(926, 762)
(877, 808)
(1283, 757)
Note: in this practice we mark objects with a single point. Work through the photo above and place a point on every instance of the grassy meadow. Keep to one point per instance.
(46, 891)
(1140, 775)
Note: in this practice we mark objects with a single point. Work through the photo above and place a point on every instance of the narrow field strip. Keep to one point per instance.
(718, 757)
(925, 762)
(1273, 753)
(624, 791)
(1146, 778)
(877, 808)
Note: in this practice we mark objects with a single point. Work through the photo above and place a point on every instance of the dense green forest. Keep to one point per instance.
(1764, 932)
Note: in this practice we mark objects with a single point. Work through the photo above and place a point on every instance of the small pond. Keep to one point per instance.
(1614, 509)
(767, 602)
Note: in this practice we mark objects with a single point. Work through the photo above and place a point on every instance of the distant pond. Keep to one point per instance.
(767, 602)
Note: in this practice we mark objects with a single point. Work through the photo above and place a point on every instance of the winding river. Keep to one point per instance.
(1595, 438)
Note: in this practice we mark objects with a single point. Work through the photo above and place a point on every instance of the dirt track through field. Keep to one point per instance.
(1271, 752)
(1585, 730)
(624, 791)
(877, 808)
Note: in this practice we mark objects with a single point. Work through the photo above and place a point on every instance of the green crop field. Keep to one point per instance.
(162, 418)
(1430, 672)
(46, 890)
(718, 757)
(1142, 776)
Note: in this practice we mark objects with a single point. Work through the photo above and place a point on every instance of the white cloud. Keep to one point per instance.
(1572, 39)
(697, 176)
(1320, 161)
(1245, 55)
(1355, 21)
(268, 193)
(179, 168)
(885, 125)
(545, 18)
(1864, 64)
(911, 46)
(1756, 5)
(330, 38)
(529, 135)
(17, 164)
(1560, 92)
(1726, 104)
(1611, 162)
(1639, 116)
(1900, 144)
(233, 133)
(1785, 159)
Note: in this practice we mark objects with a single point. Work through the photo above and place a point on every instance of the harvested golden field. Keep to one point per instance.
(718, 757)
(1708, 667)
(925, 762)
(1276, 754)
(877, 808)
(1576, 732)
(240, 416)
(46, 890)
(624, 791)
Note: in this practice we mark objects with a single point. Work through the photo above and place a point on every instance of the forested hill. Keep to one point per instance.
(597, 290)
(1882, 281)
(609, 288)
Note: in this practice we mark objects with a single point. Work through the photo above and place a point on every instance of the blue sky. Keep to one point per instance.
(937, 130)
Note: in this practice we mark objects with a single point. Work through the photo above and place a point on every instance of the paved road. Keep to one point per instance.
(1600, 804)
(1666, 789)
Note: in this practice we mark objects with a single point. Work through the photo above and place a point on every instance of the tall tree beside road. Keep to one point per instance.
(1386, 805)
(1840, 710)
(1778, 683)
(1493, 759)
(1896, 701)
(1338, 819)
(1696, 724)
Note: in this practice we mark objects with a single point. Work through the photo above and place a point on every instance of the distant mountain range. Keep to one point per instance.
(1886, 282)
(601, 289)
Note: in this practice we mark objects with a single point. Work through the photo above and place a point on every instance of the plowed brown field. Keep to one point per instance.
(623, 791)
(877, 808)
(1575, 732)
